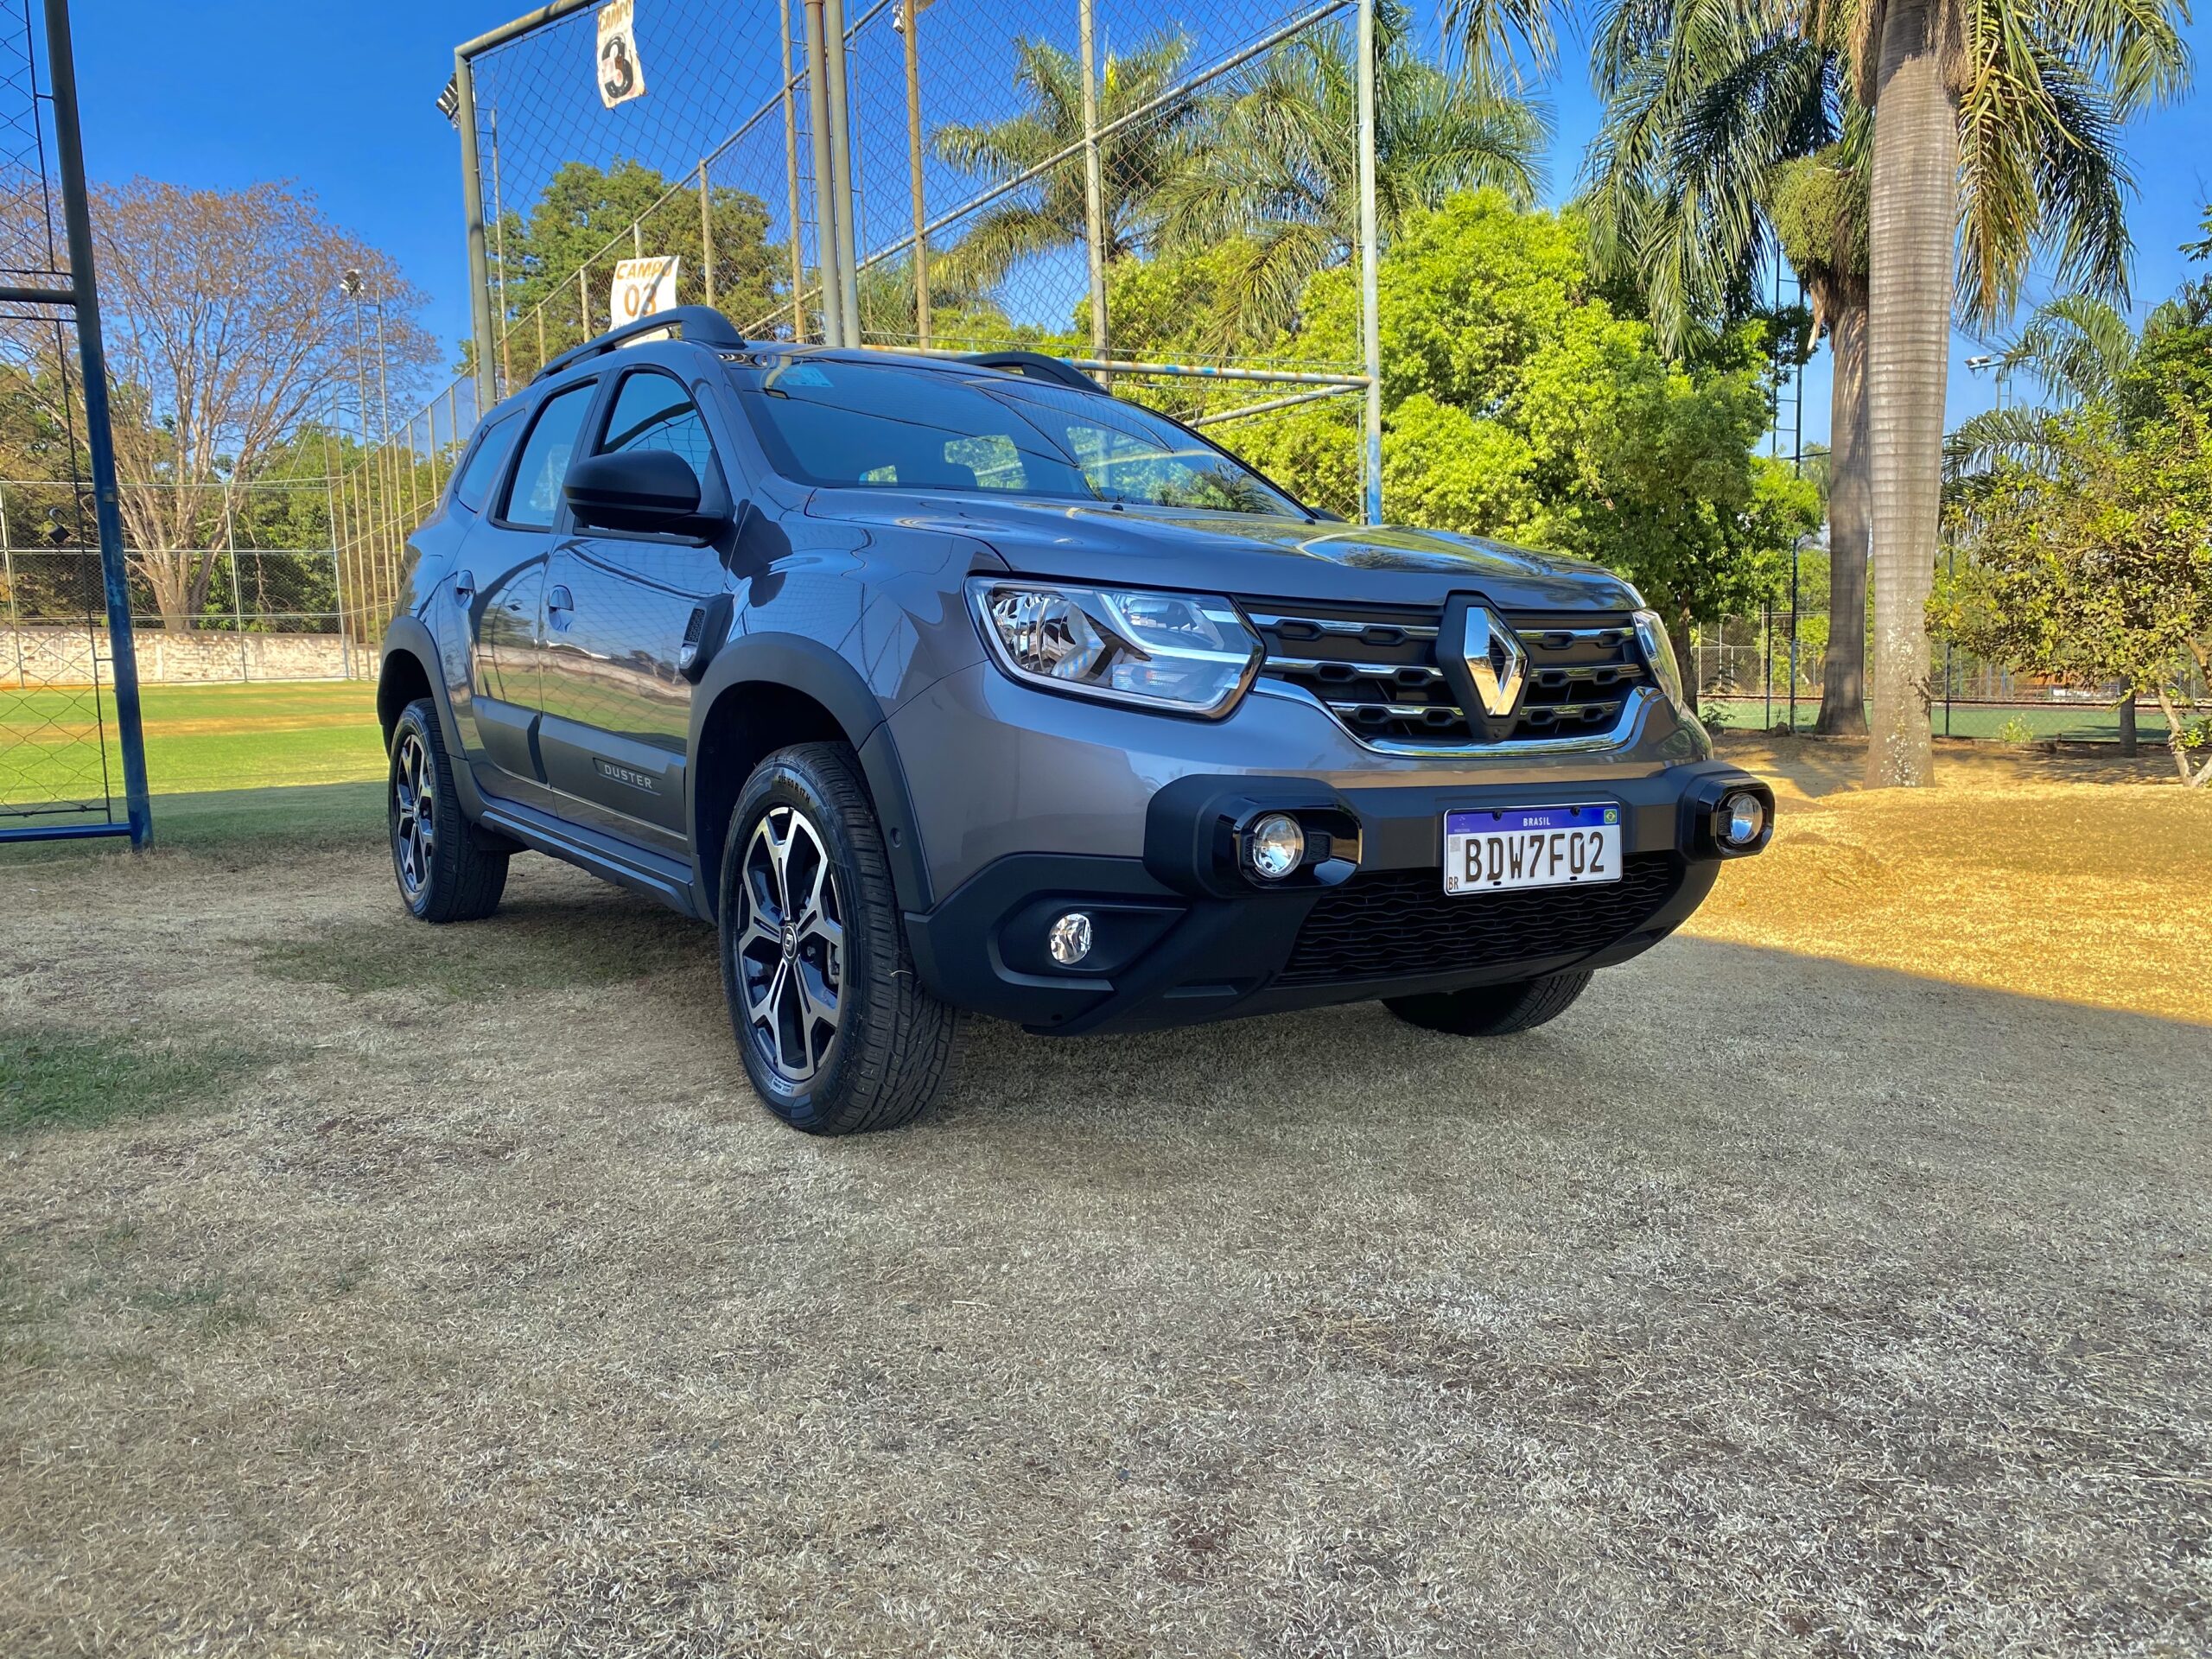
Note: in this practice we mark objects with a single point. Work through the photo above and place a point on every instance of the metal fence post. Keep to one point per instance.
(238, 589)
(847, 262)
(825, 189)
(1370, 328)
(791, 178)
(15, 606)
(507, 379)
(1766, 659)
(1794, 550)
(910, 20)
(1094, 184)
(472, 197)
(99, 443)
(706, 231)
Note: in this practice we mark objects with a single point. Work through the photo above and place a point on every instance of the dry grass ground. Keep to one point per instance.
(446, 1292)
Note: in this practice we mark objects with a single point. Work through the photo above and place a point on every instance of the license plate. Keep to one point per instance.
(1492, 849)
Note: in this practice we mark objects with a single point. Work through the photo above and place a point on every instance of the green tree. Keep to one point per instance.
(1520, 405)
(1278, 177)
(2092, 565)
(1047, 212)
(1995, 138)
(1998, 117)
(582, 223)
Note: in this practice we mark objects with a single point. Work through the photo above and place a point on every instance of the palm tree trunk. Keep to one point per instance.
(1843, 670)
(1913, 231)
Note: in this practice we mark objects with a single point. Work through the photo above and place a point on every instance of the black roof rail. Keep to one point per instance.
(1037, 366)
(701, 325)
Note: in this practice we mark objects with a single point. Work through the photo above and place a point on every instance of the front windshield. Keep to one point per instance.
(856, 425)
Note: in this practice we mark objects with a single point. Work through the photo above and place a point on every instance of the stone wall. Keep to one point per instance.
(58, 656)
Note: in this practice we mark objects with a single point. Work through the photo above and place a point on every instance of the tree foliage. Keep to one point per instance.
(2094, 564)
(227, 331)
(1048, 211)
(583, 219)
(1277, 177)
(1518, 404)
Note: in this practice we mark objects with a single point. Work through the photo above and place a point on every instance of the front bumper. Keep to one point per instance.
(1180, 936)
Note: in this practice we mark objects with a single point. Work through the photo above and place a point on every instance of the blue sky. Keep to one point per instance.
(339, 97)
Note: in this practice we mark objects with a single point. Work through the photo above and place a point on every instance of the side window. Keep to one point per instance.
(653, 411)
(475, 483)
(994, 459)
(534, 498)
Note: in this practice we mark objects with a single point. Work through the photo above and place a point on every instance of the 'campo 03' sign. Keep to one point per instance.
(642, 287)
(620, 72)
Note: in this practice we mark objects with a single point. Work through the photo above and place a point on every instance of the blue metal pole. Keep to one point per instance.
(92, 354)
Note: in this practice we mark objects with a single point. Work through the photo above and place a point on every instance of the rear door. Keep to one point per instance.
(620, 611)
(454, 615)
(506, 555)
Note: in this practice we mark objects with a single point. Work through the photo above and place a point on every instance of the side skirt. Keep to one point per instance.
(605, 856)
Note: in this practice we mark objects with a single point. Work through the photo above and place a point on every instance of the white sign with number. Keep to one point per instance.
(642, 287)
(620, 71)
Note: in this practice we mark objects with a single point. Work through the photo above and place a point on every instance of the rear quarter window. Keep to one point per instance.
(473, 487)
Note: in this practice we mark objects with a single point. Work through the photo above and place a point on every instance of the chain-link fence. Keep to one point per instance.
(71, 759)
(1763, 672)
(1030, 174)
(256, 594)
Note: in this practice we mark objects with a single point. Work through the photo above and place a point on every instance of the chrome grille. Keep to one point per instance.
(1376, 670)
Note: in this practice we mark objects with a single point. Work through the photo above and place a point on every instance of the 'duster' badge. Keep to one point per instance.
(621, 75)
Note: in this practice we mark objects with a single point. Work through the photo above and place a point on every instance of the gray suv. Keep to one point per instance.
(940, 684)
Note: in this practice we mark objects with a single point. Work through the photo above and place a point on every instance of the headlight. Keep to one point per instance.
(1659, 655)
(1188, 653)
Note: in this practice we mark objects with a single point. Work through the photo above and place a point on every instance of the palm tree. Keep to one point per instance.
(1995, 138)
(1722, 136)
(1047, 212)
(1818, 204)
(1999, 117)
(1279, 173)
(2081, 350)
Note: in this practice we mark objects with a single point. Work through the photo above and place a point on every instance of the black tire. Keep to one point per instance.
(1491, 1010)
(837, 1035)
(445, 872)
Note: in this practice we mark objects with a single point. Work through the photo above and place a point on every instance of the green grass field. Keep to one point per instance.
(2078, 722)
(57, 745)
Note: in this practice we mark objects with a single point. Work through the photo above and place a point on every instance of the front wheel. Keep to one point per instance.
(1491, 1010)
(445, 874)
(838, 1036)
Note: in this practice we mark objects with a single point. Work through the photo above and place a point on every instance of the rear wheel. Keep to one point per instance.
(838, 1037)
(446, 874)
(1491, 1010)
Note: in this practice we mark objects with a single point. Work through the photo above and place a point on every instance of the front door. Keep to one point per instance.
(620, 612)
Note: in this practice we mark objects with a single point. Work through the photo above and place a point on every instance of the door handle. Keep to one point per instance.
(560, 603)
(464, 587)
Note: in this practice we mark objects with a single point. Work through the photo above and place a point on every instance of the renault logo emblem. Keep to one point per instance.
(1495, 661)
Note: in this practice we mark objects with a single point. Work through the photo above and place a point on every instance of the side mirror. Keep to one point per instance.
(638, 490)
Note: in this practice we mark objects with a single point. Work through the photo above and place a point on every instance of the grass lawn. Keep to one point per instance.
(2074, 722)
(199, 738)
(1829, 1281)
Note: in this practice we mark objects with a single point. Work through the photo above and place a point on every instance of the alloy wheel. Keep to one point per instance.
(790, 945)
(414, 804)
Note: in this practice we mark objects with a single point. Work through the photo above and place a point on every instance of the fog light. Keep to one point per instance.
(1070, 939)
(1274, 846)
(1743, 819)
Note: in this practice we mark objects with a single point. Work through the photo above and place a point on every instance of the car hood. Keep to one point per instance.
(1244, 554)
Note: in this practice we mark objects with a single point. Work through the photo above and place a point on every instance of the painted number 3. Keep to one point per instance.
(615, 61)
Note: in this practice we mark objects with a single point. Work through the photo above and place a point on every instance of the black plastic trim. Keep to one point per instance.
(611, 858)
